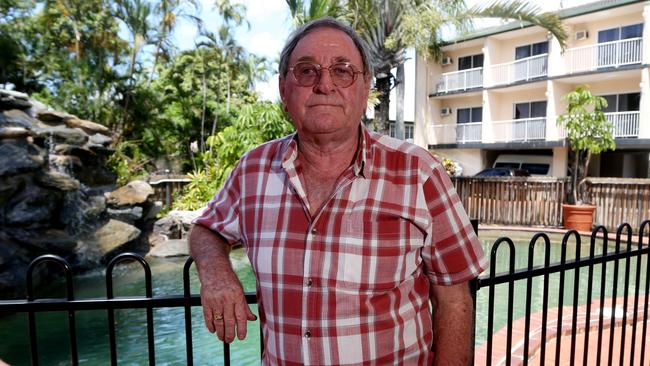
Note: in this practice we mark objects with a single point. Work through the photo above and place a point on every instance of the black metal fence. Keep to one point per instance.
(555, 328)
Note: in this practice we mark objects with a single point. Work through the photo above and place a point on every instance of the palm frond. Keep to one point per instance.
(523, 12)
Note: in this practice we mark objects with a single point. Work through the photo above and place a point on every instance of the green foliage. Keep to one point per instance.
(587, 130)
(128, 162)
(257, 123)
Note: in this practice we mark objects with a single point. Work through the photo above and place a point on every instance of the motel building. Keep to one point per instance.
(498, 91)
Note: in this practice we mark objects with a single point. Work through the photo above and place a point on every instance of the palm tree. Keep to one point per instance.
(391, 26)
(302, 12)
(168, 11)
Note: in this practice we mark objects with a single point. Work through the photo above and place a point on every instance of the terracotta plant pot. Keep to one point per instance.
(578, 217)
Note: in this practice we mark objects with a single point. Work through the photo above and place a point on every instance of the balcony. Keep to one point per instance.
(460, 80)
(524, 69)
(520, 130)
(604, 55)
(626, 124)
(457, 133)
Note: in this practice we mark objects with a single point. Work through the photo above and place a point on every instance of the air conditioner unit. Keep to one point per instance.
(446, 61)
(581, 34)
(445, 111)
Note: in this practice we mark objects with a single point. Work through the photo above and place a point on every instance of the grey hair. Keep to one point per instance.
(324, 22)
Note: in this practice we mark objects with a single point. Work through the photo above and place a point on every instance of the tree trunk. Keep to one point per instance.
(399, 102)
(381, 110)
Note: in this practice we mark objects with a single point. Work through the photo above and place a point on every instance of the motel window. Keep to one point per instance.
(622, 102)
(531, 50)
(408, 130)
(530, 110)
(467, 115)
(470, 62)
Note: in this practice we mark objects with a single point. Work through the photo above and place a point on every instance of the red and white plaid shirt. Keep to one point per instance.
(349, 285)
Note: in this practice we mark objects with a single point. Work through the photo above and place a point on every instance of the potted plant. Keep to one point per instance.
(588, 133)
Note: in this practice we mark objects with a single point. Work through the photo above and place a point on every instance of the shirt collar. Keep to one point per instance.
(290, 152)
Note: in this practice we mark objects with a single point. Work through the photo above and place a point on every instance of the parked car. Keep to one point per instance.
(539, 165)
(502, 172)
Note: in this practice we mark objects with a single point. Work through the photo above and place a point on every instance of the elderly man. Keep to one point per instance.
(350, 233)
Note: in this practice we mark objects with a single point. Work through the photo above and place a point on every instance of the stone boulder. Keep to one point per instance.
(171, 248)
(88, 127)
(17, 156)
(58, 180)
(129, 215)
(135, 192)
(169, 235)
(14, 133)
(10, 99)
(64, 135)
(18, 118)
(107, 239)
(54, 117)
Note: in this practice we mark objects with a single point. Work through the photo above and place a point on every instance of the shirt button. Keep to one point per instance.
(309, 282)
(313, 231)
(307, 334)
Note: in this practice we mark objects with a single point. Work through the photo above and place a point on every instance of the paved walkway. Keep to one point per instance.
(582, 330)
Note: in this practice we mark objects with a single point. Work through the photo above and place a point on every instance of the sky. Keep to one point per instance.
(270, 24)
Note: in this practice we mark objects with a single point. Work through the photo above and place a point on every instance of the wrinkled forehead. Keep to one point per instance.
(326, 46)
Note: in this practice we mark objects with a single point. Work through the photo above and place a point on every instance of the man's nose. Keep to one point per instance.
(324, 83)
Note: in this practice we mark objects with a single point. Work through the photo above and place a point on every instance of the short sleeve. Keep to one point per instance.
(222, 212)
(452, 252)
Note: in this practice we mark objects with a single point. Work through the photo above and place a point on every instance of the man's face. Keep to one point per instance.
(324, 108)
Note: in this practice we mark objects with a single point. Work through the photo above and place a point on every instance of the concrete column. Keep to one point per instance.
(488, 104)
(646, 34)
(555, 59)
(421, 113)
(488, 49)
(644, 108)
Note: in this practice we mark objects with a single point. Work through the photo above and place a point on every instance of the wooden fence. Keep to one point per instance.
(529, 201)
(619, 200)
(165, 187)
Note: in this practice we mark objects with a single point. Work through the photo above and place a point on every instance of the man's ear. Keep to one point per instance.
(281, 87)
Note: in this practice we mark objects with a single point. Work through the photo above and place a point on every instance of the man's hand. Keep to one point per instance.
(224, 305)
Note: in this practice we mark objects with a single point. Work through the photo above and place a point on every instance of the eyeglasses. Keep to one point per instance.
(343, 74)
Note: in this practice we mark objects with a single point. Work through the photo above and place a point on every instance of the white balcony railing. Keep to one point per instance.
(604, 55)
(460, 80)
(626, 124)
(520, 130)
(457, 133)
(520, 70)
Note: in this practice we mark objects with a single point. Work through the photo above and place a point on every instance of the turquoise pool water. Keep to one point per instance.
(169, 323)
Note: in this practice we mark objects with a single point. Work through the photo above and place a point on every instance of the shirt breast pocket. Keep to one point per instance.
(379, 255)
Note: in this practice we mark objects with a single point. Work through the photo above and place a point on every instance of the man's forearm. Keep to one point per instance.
(209, 251)
(452, 325)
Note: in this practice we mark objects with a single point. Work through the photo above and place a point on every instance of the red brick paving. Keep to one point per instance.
(535, 341)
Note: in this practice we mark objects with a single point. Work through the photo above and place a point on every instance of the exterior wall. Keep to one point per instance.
(471, 160)
(505, 48)
(461, 52)
(505, 107)
(498, 97)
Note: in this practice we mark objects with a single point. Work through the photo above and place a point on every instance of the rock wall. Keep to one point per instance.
(56, 193)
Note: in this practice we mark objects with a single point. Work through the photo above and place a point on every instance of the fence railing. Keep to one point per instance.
(530, 201)
(618, 200)
(165, 187)
(565, 324)
(604, 55)
(461, 133)
(520, 70)
(460, 80)
(520, 130)
(587, 315)
(626, 124)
